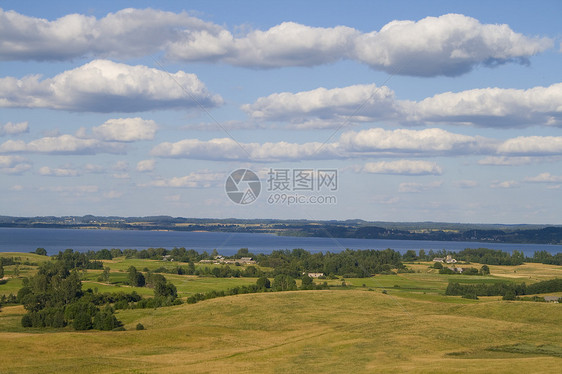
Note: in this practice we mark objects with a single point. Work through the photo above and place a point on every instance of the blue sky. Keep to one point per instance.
(433, 111)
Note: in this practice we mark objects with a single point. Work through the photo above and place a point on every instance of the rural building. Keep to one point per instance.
(450, 260)
(551, 299)
(438, 259)
(315, 275)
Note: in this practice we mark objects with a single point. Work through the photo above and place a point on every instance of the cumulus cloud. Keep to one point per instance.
(487, 107)
(545, 178)
(402, 141)
(126, 33)
(358, 101)
(59, 172)
(403, 167)
(146, 165)
(492, 107)
(376, 141)
(201, 179)
(107, 86)
(287, 44)
(532, 146)
(126, 130)
(451, 44)
(14, 164)
(63, 144)
(14, 128)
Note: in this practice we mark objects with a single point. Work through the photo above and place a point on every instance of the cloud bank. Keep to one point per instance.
(450, 45)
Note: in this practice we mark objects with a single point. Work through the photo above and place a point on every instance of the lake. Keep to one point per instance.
(54, 240)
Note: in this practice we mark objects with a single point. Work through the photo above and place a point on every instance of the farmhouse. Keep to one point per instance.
(315, 275)
(552, 299)
(450, 260)
(438, 259)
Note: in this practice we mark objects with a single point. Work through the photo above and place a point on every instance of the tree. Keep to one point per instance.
(140, 326)
(509, 295)
(410, 255)
(484, 270)
(83, 321)
(105, 275)
(41, 251)
(263, 283)
(437, 265)
(307, 282)
(1, 270)
(136, 279)
(284, 282)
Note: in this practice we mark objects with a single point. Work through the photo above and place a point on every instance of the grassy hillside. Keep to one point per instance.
(321, 331)
(412, 328)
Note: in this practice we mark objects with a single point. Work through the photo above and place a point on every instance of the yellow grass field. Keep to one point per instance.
(356, 329)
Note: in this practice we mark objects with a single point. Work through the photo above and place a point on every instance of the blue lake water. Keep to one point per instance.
(54, 240)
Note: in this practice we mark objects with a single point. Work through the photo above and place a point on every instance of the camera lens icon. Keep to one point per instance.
(242, 186)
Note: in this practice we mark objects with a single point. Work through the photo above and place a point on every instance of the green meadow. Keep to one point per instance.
(387, 323)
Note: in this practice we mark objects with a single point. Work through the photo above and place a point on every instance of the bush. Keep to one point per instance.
(139, 326)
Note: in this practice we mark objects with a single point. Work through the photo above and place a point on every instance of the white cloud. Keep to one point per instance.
(58, 172)
(376, 141)
(532, 145)
(287, 44)
(545, 178)
(492, 107)
(126, 33)
(505, 161)
(14, 128)
(487, 107)
(228, 149)
(418, 187)
(202, 179)
(450, 45)
(106, 86)
(63, 144)
(14, 164)
(123, 175)
(146, 165)
(504, 184)
(367, 101)
(403, 141)
(403, 167)
(126, 130)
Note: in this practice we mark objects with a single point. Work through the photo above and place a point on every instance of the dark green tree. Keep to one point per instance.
(263, 283)
(41, 251)
(307, 282)
(83, 321)
(136, 278)
(284, 282)
(1, 270)
(484, 270)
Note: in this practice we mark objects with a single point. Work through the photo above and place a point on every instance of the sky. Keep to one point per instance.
(407, 111)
